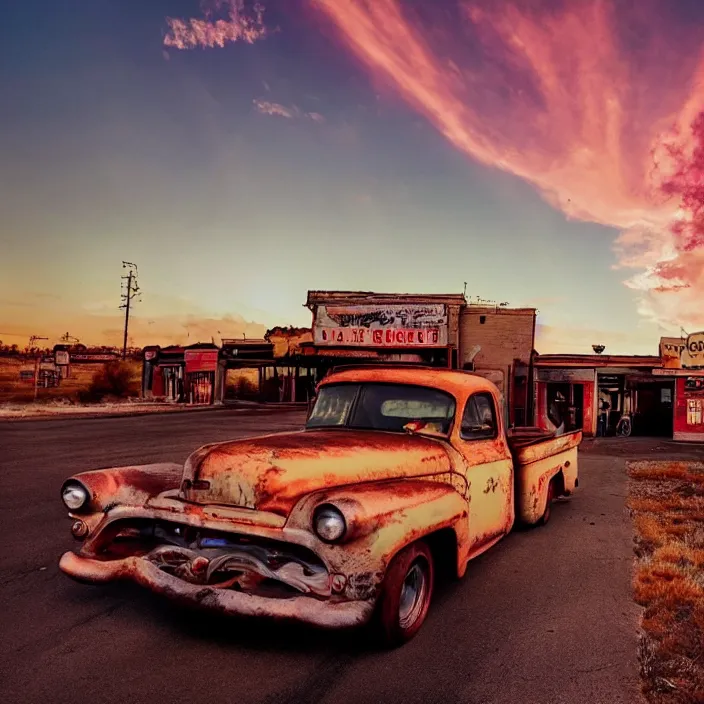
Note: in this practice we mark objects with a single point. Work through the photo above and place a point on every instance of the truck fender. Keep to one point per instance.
(384, 517)
(126, 486)
(535, 482)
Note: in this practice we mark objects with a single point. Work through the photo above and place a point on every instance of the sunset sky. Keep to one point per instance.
(243, 153)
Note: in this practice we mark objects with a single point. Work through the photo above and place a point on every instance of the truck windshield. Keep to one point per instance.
(389, 407)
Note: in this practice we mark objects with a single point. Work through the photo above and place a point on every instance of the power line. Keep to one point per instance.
(131, 290)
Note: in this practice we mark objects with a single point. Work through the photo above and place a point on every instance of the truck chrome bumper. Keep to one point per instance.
(298, 608)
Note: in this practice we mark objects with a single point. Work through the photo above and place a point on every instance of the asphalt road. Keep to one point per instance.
(545, 616)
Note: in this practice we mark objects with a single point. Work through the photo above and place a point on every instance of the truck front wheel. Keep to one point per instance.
(406, 593)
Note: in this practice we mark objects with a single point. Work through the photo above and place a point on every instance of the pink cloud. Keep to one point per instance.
(547, 92)
(266, 107)
(240, 25)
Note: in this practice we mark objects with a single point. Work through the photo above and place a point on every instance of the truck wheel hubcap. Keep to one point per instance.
(415, 587)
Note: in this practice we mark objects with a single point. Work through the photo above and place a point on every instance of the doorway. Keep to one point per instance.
(565, 404)
(611, 391)
(201, 386)
(173, 382)
(653, 409)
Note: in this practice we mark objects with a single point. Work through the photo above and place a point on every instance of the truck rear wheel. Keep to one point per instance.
(548, 504)
(406, 593)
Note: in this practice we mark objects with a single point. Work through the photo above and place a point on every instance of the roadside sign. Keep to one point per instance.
(98, 357)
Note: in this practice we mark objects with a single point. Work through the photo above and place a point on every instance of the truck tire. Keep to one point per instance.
(405, 595)
(548, 504)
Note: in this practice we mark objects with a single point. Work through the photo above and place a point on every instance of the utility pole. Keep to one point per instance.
(131, 289)
(69, 339)
(32, 340)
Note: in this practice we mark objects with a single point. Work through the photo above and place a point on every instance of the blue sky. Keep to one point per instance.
(115, 147)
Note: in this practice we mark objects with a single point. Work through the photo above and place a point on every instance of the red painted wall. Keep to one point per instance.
(683, 430)
(201, 360)
(158, 382)
(588, 419)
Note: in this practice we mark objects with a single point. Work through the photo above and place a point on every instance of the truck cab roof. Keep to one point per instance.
(453, 381)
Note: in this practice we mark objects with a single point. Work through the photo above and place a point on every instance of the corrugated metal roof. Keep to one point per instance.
(596, 360)
(233, 342)
(474, 309)
(371, 297)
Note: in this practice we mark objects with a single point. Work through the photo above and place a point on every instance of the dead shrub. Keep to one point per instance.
(650, 531)
(114, 380)
(681, 555)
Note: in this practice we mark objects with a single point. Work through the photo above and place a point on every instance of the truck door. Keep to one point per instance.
(482, 442)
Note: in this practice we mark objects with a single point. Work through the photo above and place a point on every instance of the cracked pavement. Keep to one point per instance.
(544, 616)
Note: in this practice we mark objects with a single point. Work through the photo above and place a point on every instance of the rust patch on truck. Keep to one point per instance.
(491, 485)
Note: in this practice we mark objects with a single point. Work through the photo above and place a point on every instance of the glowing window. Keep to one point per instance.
(694, 411)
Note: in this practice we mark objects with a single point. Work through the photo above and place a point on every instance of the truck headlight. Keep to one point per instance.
(75, 495)
(329, 523)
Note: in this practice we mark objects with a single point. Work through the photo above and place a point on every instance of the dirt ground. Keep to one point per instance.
(642, 448)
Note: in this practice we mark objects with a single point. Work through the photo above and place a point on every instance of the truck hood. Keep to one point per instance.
(270, 473)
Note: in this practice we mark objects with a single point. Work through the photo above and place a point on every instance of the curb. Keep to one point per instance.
(273, 408)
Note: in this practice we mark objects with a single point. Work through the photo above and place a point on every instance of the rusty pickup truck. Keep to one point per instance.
(398, 474)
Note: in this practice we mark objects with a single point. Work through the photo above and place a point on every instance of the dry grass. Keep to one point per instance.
(668, 471)
(667, 503)
(12, 390)
(242, 384)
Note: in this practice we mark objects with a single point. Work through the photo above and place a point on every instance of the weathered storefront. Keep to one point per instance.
(572, 390)
(358, 327)
(688, 409)
(683, 361)
(202, 373)
(270, 370)
(163, 373)
(181, 374)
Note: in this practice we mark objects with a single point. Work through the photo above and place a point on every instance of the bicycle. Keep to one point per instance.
(624, 427)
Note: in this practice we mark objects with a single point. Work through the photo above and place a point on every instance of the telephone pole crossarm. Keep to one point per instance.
(131, 287)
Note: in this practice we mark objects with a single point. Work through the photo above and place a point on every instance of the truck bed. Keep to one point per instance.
(529, 445)
(539, 457)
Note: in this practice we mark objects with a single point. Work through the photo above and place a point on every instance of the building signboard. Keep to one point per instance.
(678, 353)
(564, 376)
(393, 325)
(693, 353)
(47, 364)
(671, 350)
(87, 357)
(201, 360)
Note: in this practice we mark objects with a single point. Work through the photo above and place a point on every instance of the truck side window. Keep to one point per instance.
(479, 418)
